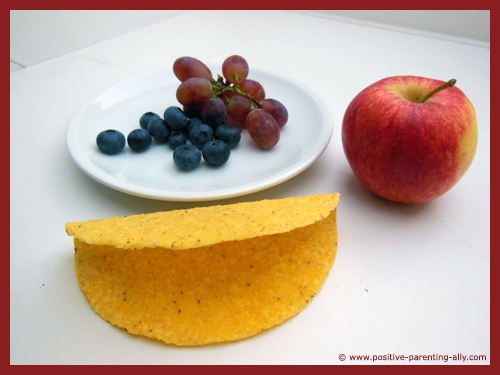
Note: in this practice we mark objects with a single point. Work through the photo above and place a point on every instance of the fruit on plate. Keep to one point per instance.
(139, 140)
(216, 152)
(187, 156)
(228, 134)
(159, 130)
(187, 67)
(229, 99)
(235, 65)
(410, 139)
(110, 141)
(214, 111)
(200, 135)
(146, 118)
(263, 128)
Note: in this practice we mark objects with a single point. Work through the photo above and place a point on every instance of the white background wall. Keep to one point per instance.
(39, 35)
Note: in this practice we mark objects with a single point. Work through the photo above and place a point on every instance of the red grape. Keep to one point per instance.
(277, 110)
(235, 65)
(237, 110)
(214, 112)
(187, 67)
(254, 89)
(263, 128)
(195, 91)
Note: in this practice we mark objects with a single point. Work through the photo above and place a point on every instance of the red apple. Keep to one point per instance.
(410, 139)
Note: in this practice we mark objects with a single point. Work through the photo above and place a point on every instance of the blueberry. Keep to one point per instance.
(177, 139)
(192, 123)
(228, 134)
(176, 119)
(146, 118)
(216, 152)
(201, 134)
(110, 141)
(187, 156)
(159, 130)
(139, 140)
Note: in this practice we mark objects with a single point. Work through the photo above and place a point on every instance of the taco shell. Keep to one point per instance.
(210, 274)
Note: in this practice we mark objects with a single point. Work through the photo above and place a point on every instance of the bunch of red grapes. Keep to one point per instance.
(235, 100)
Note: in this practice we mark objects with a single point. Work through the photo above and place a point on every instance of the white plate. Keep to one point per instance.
(153, 174)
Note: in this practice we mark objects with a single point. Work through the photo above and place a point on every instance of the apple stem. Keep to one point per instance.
(450, 83)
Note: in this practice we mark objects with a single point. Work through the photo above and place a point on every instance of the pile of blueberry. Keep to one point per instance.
(190, 138)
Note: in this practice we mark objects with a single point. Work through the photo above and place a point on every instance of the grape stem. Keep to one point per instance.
(220, 87)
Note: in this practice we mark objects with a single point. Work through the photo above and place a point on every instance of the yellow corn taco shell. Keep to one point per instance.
(207, 275)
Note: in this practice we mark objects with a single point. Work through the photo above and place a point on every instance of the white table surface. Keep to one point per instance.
(408, 280)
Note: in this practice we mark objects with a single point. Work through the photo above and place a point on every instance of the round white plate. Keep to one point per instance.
(153, 174)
